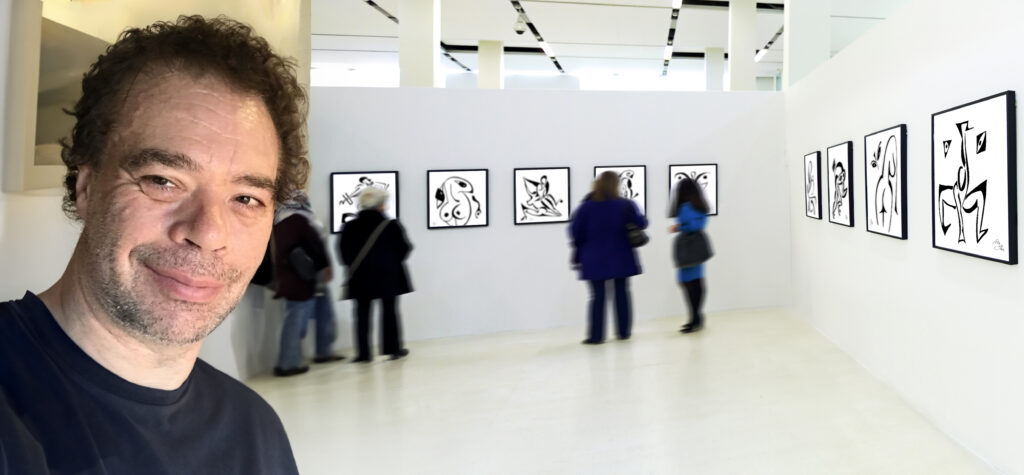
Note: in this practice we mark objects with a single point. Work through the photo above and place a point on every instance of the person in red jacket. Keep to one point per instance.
(302, 270)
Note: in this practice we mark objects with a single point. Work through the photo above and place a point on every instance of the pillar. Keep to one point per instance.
(419, 43)
(491, 62)
(714, 69)
(743, 44)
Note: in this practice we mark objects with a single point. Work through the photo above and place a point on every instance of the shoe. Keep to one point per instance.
(592, 342)
(361, 359)
(400, 354)
(328, 358)
(624, 338)
(691, 328)
(290, 371)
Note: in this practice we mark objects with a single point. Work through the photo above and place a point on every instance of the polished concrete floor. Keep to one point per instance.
(755, 393)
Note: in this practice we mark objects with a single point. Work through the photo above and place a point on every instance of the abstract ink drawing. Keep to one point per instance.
(346, 188)
(458, 198)
(974, 179)
(706, 176)
(885, 182)
(632, 183)
(541, 195)
(840, 183)
(812, 185)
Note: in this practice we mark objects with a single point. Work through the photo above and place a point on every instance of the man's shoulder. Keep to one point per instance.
(240, 397)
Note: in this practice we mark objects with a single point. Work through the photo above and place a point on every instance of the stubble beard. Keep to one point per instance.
(136, 304)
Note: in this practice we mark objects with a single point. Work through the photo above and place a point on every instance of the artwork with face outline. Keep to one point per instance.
(632, 183)
(541, 195)
(706, 176)
(839, 167)
(346, 188)
(974, 179)
(812, 185)
(885, 182)
(457, 198)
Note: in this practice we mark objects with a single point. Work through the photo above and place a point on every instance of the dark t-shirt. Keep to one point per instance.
(62, 412)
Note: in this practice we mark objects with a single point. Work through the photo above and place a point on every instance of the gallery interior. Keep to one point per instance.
(832, 345)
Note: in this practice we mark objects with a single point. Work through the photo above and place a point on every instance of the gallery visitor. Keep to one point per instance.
(374, 249)
(602, 252)
(302, 268)
(691, 214)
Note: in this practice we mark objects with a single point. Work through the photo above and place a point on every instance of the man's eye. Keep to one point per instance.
(249, 201)
(159, 181)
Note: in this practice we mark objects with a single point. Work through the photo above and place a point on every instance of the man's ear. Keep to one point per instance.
(85, 177)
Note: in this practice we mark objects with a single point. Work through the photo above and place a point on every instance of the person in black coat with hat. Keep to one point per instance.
(379, 274)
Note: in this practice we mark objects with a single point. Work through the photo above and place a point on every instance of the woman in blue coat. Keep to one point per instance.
(691, 213)
(603, 253)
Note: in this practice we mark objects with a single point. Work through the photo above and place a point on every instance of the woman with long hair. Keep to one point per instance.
(602, 252)
(690, 210)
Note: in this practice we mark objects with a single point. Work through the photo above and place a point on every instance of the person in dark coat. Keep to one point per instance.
(381, 274)
(602, 252)
(299, 236)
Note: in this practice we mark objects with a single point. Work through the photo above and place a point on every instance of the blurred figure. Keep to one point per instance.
(302, 270)
(602, 252)
(691, 213)
(375, 249)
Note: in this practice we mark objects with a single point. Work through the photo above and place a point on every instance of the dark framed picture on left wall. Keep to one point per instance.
(346, 188)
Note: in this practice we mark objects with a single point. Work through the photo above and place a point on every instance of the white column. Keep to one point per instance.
(807, 38)
(743, 44)
(491, 61)
(419, 43)
(714, 69)
(20, 88)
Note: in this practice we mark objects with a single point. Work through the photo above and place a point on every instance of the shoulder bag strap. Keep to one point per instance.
(366, 247)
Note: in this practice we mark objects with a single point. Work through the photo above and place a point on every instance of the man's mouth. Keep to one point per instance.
(183, 286)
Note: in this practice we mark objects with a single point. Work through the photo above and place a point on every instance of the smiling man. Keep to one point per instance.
(186, 136)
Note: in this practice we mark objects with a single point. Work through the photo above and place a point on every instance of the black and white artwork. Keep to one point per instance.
(541, 195)
(885, 182)
(346, 188)
(812, 185)
(839, 170)
(457, 198)
(632, 183)
(974, 179)
(706, 176)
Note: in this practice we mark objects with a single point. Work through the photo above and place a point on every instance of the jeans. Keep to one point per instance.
(297, 316)
(623, 317)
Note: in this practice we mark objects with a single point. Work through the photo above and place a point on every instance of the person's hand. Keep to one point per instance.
(673, 228)
(328, 274)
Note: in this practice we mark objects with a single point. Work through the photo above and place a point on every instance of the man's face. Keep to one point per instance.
(178, 214)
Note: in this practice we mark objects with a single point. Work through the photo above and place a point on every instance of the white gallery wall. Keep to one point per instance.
(506, 277)
(943, 329)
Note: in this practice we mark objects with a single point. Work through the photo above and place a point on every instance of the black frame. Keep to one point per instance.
(330, 187)
(671, 182)
(849, 177)
(487, 194)
(646, 192)
(568, 195)
(1011, 172)
(903, 181)
(817, 180)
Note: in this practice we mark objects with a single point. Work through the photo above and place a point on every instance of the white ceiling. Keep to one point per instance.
(612, 36)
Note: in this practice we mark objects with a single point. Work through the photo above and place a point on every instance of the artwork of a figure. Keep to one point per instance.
(456, 201)
(812, 185)
(632, 183)
(458, 198)
(840, 184)
(346, 188)
(885, 182)
(886, 207)
(541, 195)
(626, 185)
(963, 196)
(839, 188)
(705, 175)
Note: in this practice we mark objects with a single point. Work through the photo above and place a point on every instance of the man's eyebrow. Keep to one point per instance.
(150, 156)
(257, 181)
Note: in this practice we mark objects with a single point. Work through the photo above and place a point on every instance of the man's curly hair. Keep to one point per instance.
(198, 46)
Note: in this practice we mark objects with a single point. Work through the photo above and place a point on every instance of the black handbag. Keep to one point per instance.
(636, 236)
(691, 249)
(302, 264)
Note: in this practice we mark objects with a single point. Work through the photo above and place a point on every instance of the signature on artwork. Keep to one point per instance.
(998, 246)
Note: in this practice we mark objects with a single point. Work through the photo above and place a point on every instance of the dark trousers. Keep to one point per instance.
(390, 328)
(623, 318)
(694, 291)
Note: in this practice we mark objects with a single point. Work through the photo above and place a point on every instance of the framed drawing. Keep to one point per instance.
(974, 179)
(839, 165)
(885, 182)
(706, 176)
(541, 195)
(346, 188)
(632, 183)
(812, 185)
(457, 198)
